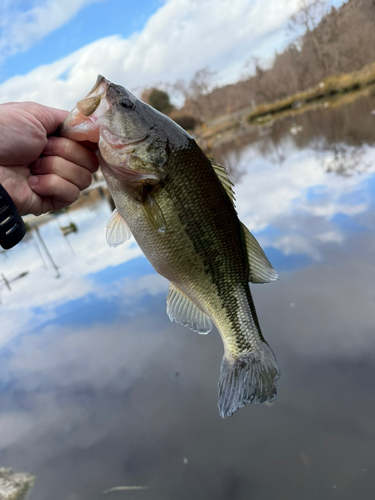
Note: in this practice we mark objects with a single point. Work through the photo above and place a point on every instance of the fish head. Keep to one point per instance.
(133, 137)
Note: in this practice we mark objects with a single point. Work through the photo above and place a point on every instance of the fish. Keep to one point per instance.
(180, 207)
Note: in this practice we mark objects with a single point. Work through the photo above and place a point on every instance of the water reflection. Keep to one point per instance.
(99, 389)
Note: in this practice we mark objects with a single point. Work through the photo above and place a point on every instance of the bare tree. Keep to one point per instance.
(306, 19)
(201, 85)
(202, 82)
(340, 42)
(309, 15)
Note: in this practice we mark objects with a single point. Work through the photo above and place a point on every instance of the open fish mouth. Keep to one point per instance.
(81, 123)
(105, 116)
(89, 104)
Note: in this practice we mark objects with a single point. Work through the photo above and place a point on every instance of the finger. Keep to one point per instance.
(50, 118)
(65, 169)
(92, 146)
(54, 186)
(71, 151)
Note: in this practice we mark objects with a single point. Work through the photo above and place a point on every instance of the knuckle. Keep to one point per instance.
(64, 147)
(86, 181)
(73, 194)
(54, 182)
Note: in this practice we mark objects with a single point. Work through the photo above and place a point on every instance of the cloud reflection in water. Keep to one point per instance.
(99, 389)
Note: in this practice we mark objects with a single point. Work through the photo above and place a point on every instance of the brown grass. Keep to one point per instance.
(331, 89)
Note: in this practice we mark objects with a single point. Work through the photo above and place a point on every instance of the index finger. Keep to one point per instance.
(50, 118)
(72, 151)
(92, 146)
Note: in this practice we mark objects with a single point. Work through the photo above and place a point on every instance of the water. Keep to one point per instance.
(99, 389)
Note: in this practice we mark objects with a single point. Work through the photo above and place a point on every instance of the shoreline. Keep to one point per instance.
(333, 91)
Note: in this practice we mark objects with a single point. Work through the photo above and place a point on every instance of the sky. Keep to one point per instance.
(51, 51)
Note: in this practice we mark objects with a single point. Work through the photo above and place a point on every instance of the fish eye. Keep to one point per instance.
(127, 104)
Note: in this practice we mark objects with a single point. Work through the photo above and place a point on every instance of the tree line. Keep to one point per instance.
(328, 41)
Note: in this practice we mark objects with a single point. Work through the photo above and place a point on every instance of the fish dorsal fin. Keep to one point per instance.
(118, 230)
(182, 310)
(154, 214)
(261, 270)
(223, 176)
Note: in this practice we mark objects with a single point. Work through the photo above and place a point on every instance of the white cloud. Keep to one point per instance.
(21, 29)
(267, 195)
(181, 37)
(331, 237)
(91, 254)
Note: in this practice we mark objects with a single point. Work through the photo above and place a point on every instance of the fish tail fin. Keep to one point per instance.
(247, 378)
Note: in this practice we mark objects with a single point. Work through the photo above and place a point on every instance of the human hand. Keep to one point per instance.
(39, 171)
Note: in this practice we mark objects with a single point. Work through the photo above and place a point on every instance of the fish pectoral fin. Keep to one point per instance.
(261, 270)
(182, 310)
(153, 213)
(223, 176)
(118, 230)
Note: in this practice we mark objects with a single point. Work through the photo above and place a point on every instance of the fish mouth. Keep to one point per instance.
(89, 104)
(85, 122)
(81, 123)
(100, 82)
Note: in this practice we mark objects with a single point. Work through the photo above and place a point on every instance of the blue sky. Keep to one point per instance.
(52, 50)
(96, 20)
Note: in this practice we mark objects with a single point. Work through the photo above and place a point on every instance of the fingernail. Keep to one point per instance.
(33, 180)
(48, 145)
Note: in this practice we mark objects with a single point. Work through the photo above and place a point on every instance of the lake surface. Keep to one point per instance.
(100, 390)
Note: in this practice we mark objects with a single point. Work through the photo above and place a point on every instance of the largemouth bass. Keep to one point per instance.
(179, 206)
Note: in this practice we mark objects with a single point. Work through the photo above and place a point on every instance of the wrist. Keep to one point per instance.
(3, 174)
(12, 227)
(7, 182)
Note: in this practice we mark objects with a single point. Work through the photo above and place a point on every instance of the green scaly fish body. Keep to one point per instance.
(203, 250)
(171, 199)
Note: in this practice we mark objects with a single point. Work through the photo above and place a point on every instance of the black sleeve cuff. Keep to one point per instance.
(12, 227)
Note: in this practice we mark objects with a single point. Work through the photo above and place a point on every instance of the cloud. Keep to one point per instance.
(267, 196)
(181, 37)
(91, 255)
(21, 29)
(265, 193)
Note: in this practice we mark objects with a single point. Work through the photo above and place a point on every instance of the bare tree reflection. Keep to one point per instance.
(346, 160)
(338, 135)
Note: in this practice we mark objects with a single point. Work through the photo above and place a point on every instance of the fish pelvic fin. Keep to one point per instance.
(247, 378)
(118, 230)
(183, 311)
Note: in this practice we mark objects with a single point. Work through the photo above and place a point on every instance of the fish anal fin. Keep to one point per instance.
(223, 176)
(153, 213)
(183, 311)
(261, 270)
(118, 230)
